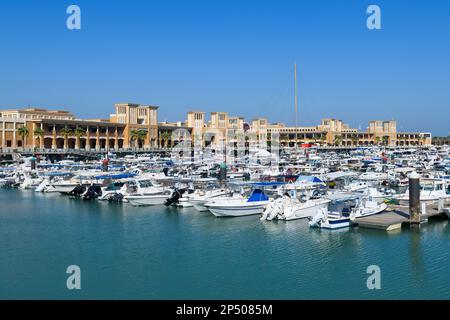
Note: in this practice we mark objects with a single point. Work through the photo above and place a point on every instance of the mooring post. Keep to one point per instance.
(414, 199)
(223, 173)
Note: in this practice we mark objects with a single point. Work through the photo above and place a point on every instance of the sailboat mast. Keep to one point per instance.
(295, 97)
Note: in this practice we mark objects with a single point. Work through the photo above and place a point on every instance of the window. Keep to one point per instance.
(8, 143)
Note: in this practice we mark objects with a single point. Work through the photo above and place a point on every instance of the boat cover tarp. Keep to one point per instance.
(257, 195)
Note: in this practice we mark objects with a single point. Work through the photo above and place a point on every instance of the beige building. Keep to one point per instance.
(56, 129)
(329, 132)
(135, 125)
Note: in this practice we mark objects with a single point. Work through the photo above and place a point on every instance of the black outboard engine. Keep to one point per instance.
(166, 171)
(116, 197)
(92, 193)
(78, 191)
(175, 197)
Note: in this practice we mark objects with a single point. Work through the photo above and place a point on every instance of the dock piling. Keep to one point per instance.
(414, 199)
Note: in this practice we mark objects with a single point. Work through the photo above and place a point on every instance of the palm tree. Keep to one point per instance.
(23, 133)
(165, 136)
(79, 133)
(337, 140)
(377, 140)
(385, 140)
(65, 133)
(134, 136)
(323, 138)
(137, 135)
(39, 134)
(142, 134)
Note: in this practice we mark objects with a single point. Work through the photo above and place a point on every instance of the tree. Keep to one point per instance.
(39, 134)
(323, 138)
(137, 136)
(142, 134)
(385, 140)
(79, 133)
(165, 137)
(338, 140)
(134, 134)
(23, 133)
(65, 133)
(377, 140)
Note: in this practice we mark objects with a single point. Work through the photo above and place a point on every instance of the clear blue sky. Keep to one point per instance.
(232, 55)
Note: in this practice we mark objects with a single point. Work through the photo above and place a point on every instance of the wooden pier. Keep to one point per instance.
(395, 216)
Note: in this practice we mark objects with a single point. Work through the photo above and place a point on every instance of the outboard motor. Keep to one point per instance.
(78, 191)
(92, 193)
(317, 220)
(166, 171)
(117, 197)
(175, 197)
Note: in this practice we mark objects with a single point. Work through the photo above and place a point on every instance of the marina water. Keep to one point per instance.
(127, 252)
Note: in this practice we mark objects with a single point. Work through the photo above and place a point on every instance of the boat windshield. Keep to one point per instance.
(145, 183)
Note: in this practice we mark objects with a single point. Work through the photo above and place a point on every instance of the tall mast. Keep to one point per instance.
(295, 98)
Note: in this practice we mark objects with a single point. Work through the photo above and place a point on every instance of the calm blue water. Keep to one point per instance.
(158, 253)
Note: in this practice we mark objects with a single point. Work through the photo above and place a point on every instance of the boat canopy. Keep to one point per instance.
(342, 197)
(115, 176)
(266, 184)
(57, 174)
(308, 179)
(257, 195)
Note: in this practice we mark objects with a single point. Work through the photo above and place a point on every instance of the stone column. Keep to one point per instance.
(107, 139)
(97, 141)
(42, 138)
(54, 137)
(14, 144)
(88, 139)
(116, 142)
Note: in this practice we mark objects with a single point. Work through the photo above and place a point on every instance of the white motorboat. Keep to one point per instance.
(65, 186)
(431, 190)
(343, 209)
(379, 196)
(238, 206)
(148, 199)
(199, 199)
(330, 220)
(287, 208)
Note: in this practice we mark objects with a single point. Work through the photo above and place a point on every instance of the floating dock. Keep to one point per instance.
(395, 216)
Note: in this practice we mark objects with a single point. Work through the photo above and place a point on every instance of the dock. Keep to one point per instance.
(395, 216)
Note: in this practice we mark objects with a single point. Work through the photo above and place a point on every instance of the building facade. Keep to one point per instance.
(331, 132)
(136, 126)
(56, 129)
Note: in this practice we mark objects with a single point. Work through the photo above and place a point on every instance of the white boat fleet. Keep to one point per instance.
(330, 189)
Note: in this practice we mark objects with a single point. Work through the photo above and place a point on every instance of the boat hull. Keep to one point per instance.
(152, 200)
(199, 205)
(305, 211)
(247, 209)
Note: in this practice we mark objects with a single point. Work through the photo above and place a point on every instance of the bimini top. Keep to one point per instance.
(257, 195)
(115, 176)
(266, 184)
(343, 197)
(312, 179)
